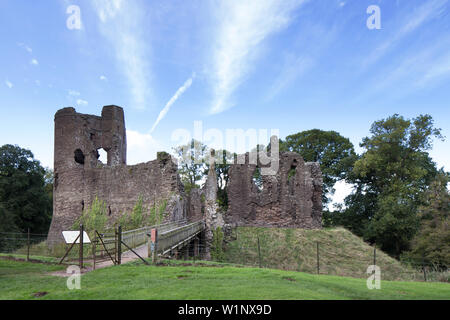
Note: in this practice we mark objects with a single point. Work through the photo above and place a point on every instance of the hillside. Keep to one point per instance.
(340, 252)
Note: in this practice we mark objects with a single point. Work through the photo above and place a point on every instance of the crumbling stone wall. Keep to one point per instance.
(80, 176)
(291, 198)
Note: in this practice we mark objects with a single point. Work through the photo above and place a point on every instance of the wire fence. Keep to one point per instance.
(317, 257)
(321, 262)
(31, 246)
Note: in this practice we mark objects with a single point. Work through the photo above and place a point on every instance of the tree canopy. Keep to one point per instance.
(25, 197)
(391, 176)
(334, 153)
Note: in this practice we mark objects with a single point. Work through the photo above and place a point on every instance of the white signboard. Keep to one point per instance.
(70, 236)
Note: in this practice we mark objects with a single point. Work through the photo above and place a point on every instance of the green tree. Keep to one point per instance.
(24, 200)
(191, 163)
(432, 242)
(391, 176)
(335, 154)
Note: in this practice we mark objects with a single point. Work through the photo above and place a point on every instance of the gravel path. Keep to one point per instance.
(126, 257)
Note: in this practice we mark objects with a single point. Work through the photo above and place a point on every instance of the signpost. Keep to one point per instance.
(73, 237)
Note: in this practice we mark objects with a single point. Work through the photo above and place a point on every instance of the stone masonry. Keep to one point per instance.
(80, 176)
(290, 198)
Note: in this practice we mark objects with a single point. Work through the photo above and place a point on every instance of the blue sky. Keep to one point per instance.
(291, 65)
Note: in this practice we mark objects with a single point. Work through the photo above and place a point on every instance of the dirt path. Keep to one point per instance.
(126, 257)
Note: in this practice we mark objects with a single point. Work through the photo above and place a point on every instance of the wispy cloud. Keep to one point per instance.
(27, 48)
(82, 102)
(424, 68)
(172, 100)
(103, 78)
(413, 21)
(9, 84)
(34, 62)
(74, 93)
(244, 25)
(438, 70)
(293, 68)
(121, 23)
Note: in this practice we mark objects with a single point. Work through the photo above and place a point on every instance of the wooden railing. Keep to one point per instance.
(177, 237)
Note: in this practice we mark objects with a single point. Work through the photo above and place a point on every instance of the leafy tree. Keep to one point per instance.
(391, 176)
(24, 201)
(334, 152)
(191, 163)
(432, 243)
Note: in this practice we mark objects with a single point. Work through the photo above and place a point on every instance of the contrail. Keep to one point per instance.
(172, 100)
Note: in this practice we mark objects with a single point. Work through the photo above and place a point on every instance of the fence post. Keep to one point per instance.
(81, 246)
(318, 261)
(119, 246)
(115, 245)
(424, 271)
(375, 254)
(94, 247)
(259, 253)
(28, 245)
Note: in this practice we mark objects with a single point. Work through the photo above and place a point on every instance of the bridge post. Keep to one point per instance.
(196, 241)
(119, 245)
(153, 244)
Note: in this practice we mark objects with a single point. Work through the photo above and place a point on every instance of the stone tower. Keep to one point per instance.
(80, 176)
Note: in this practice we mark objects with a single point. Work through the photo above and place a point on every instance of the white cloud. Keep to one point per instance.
(74, 93)
(414, 20)
(121, 23)
(293, 68)
(82, 102)
(103, 78)
(9, 84)
(439, 69)
(34, 62)
(244, 26)
(27, 48)
(172, 100)
(141, 147)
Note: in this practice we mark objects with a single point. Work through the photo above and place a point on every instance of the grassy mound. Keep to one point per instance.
(340, 252)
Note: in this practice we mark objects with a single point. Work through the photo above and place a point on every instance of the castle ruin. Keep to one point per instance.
(290, 198)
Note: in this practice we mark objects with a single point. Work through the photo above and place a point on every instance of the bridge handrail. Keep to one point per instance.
(174, 237)
(180, 228)
(153, 226)
(137, 237)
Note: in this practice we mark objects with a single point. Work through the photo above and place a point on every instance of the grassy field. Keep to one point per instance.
(340, 253)
(23, 280)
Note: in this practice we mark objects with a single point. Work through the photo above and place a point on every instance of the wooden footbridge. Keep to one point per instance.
(151, 241)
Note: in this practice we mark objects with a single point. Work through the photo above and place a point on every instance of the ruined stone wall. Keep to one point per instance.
(291, 198)
(80, 176)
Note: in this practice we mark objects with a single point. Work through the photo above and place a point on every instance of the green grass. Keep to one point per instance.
(21, 280)
(340, 253)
